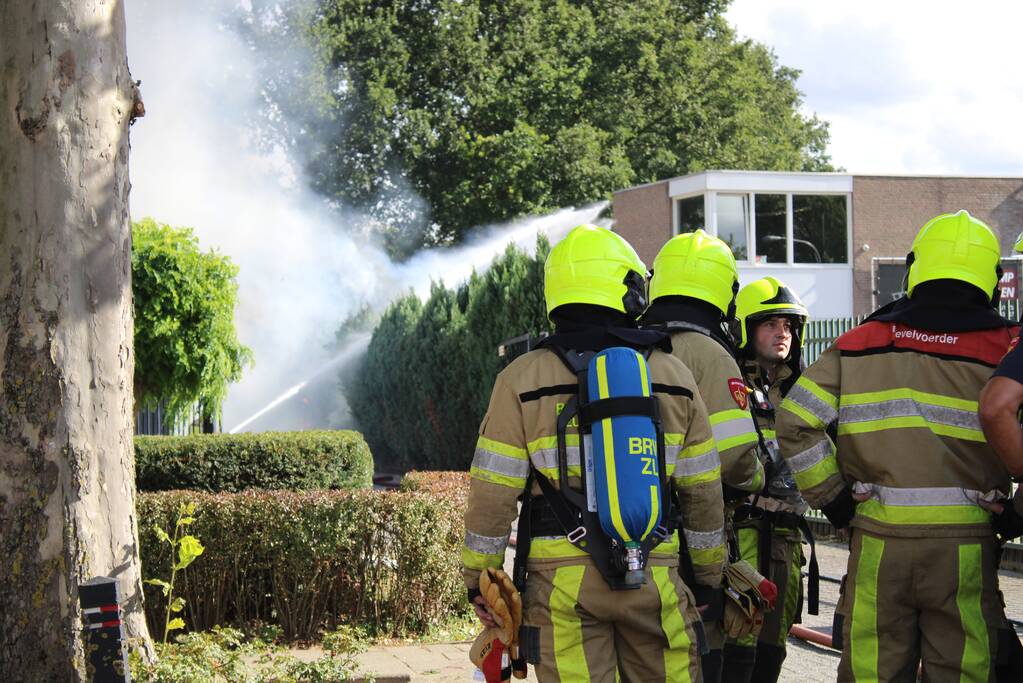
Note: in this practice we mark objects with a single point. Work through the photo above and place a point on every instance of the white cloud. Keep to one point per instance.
(909, 86)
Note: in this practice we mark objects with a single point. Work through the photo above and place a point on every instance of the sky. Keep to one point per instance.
(907, 86)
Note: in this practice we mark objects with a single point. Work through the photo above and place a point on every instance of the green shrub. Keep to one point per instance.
(310, 560)
(224, 655)
(236, 462)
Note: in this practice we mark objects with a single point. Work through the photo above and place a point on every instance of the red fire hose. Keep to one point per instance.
(811, 636)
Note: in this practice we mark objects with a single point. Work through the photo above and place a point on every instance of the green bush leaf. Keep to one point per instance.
(176, 623)
(177, 604)
(164, 586)
(189, 548)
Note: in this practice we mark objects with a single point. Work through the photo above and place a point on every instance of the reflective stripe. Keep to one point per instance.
(934, 505)
(814, 465)
(810, 457)
(707, 462)
(695, 452)
(900, 413)
(863, 630)
(976, 662)
(706, 547)
(813, 400)
(732, 428)
(705, 539)
(499, 463)
(569, 656)
(676, 655)
(486, 545)
(492, 461)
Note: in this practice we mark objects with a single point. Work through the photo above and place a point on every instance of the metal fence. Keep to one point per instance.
(151, 421)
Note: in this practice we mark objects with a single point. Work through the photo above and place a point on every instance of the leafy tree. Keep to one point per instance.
(423, 388)
(490, 110)
(187, 350)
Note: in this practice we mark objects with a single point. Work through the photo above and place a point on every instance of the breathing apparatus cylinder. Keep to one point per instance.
(625, 459)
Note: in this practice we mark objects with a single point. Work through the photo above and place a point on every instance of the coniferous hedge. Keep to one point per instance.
(425, 384)
(270, 460)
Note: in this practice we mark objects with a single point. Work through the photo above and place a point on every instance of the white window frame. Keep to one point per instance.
(711, 183)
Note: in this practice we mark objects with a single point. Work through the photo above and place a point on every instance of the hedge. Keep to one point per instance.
(425, 383)
(270, 460)
(312, 560)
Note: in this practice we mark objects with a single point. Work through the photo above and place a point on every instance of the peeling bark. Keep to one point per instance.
(67, 471)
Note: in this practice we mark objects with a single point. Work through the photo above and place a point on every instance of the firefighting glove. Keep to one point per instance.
(841, 510)
(504, 604)
(747, 595)
(1008, 524)
(490, 655)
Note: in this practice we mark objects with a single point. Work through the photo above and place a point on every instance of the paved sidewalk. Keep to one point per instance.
(806, 663)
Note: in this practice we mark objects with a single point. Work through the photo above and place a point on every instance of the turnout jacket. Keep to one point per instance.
(766, 417)
(905, 400)
(520, 431)
(724, 393)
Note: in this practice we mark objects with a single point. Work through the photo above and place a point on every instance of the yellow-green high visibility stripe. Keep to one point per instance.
(553, 548)
(609, 454)
(922, 514)
(863, 630)
(474, 560)
(770, 434)
(909, 421)
(569, 656)
(703, 557)
(807, 479)
(676, 654)
(749, 550)
(502, 448)
(906, 392)
(654, 505)
(793, 584)
(497, 478)
(654, 511)
(815, 389)
(645, 385)
(802, 413)
(976, 664)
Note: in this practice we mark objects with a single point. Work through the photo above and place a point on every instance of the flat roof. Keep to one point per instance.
(784, 181)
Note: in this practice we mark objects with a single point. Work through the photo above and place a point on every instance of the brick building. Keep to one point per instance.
(839, 239)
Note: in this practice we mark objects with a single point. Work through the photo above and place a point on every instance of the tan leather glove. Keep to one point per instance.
(504, 604)
(747, 596)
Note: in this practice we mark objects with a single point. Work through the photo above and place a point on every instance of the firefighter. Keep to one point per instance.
(770, 320)
(579, 621)
(909, 470)
(692, 293)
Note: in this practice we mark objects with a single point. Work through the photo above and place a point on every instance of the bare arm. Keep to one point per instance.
(999, 409)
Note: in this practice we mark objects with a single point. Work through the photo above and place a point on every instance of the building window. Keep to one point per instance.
(733, 223)
(770, 214)
(819, 229)
(690, 214)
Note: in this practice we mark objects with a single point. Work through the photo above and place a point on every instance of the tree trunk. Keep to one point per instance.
(67, 471)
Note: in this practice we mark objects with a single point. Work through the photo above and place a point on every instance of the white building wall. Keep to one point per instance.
(826, 291)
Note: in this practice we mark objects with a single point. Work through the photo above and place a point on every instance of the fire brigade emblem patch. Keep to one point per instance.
(739, 392)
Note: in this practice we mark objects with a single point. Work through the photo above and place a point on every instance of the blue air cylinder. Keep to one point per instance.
(624, 454)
